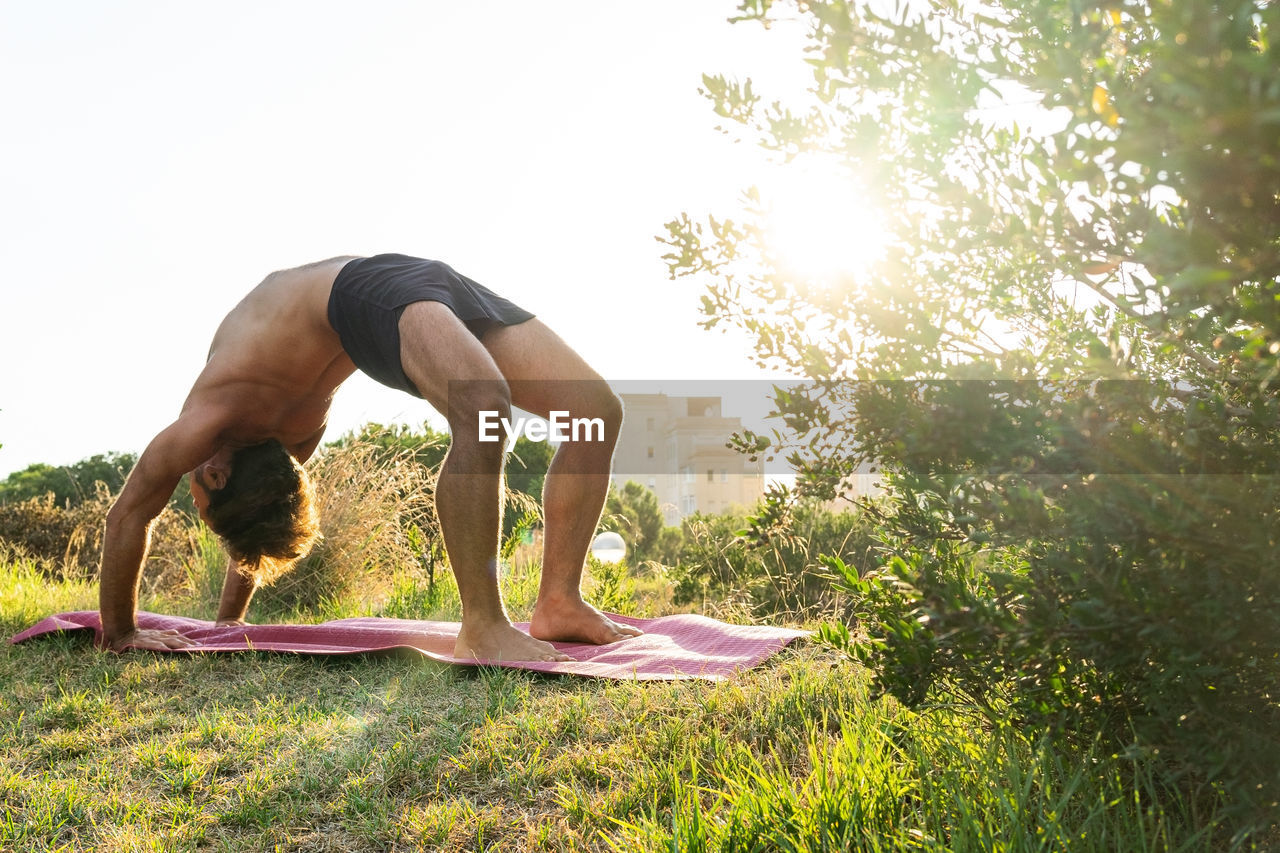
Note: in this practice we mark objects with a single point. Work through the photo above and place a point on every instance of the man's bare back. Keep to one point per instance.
(271, 373)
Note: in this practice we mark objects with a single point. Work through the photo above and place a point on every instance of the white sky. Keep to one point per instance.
(158, 159)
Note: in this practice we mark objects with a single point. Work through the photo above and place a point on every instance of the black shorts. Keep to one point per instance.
(370, 294)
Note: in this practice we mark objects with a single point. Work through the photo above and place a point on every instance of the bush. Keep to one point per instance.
(38, 526)
(1112, 586)
(69, 484)
(632, 511)
(375, 494)
(771, 575)
(69, 537)
(524, 472)
(1064, 353)
(375, 500)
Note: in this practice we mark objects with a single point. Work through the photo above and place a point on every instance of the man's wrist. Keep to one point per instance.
(113, 633)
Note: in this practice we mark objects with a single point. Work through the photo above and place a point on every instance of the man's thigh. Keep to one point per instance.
(436, 348)
(543, 371)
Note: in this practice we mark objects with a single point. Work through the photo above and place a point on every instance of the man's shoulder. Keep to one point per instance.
(191, 439)
(231, 407)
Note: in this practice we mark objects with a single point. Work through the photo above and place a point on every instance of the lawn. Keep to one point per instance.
(272, 752)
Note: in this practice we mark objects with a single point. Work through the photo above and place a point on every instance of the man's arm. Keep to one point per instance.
(237, 589)
(178, 449)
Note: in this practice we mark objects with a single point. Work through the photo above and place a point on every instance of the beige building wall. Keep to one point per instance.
(675, 446)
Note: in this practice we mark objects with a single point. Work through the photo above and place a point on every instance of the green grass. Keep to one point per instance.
(262, 752)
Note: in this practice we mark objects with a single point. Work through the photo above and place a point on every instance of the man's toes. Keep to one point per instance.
(622, 632)
(617, 635)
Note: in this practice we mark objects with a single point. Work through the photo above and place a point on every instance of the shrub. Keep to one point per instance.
(38, 526)
(375, 494)
(69, 484)
(377, 520)
(1095, 556)
(632, 511)
(68, 538)
(782, 573)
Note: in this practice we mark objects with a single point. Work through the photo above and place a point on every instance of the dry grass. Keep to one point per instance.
(379, 526)
(67, 540)
(377, 517)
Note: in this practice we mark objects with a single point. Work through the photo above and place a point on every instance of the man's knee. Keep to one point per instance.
(603, 405)
(611, 406)
(476, 412)
(468, 399)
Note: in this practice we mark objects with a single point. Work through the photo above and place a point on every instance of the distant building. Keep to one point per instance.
(676, 446)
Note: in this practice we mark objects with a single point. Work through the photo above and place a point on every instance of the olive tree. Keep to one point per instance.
(1063, 356)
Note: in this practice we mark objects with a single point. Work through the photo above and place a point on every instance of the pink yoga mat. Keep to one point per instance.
(672, 647)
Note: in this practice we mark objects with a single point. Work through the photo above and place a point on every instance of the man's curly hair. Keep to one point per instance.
(265, 515)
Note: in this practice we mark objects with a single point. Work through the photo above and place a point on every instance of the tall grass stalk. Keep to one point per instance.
(366, 497)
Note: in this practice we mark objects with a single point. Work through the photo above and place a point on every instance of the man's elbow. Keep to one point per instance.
(117, 519)
(123, 518)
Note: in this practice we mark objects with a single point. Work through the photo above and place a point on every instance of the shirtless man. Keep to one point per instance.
(259, 407)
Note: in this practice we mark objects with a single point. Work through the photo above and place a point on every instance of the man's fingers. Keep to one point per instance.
(172, 640)
(161, 645)
(166, 640)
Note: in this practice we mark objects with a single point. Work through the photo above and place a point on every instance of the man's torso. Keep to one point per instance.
(275, 362)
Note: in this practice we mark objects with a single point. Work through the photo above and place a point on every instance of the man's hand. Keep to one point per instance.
(148, 638)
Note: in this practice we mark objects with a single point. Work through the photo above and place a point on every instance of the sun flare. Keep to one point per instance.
(820, 223)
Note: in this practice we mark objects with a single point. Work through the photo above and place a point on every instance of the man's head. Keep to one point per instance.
(261, 504)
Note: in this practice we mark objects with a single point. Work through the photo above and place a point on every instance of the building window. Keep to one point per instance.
(648, 424)
(648, 452)
(711, 475)
(724, 475)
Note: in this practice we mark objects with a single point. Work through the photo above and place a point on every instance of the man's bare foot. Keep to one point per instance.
(575, 621)
(499, 642)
